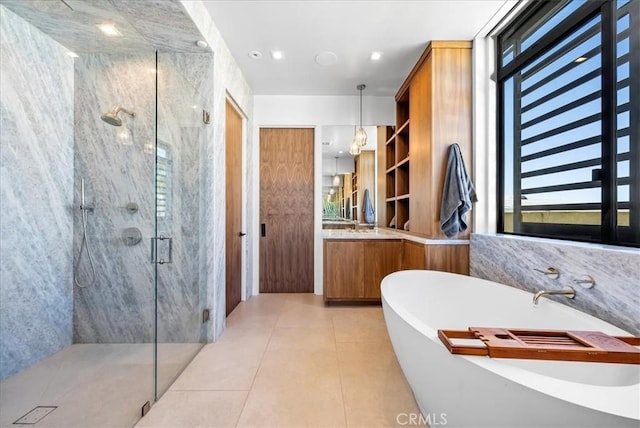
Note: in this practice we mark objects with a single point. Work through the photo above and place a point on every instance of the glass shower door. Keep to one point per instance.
(179, 140)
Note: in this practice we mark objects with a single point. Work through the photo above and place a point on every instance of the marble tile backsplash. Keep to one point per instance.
(36, 195)
(511, 260)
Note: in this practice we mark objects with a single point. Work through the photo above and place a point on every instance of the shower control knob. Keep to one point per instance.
(131, 236)
(132, 208)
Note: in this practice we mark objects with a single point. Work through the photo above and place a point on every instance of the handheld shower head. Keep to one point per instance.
(112, 118)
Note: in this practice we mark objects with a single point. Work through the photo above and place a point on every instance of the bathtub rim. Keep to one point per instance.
(615, 400)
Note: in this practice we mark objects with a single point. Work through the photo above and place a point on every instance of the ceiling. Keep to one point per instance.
(73, 23)
(350, 29)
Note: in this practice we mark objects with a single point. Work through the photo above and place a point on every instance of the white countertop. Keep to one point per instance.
(387, 234)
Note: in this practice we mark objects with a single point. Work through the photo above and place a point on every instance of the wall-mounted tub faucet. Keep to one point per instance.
(568, 292)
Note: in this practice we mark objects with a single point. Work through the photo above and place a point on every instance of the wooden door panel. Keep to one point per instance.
(286, 210)
(233, 205)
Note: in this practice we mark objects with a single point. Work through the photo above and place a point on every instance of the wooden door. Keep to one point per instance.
(233, 205)
(286, 210)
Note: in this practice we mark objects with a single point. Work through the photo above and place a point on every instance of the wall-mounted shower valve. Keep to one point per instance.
(132, 208)
(131, 236)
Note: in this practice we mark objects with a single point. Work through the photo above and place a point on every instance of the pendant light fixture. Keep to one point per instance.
(355, 148)
(336, 178)
(361, 137)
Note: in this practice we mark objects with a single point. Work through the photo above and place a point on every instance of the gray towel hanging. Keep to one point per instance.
(457, 195)
(367, 210)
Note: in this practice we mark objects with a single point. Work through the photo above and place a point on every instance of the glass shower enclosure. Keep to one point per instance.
(133, 295)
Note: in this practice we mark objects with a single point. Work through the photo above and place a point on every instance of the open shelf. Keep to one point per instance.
(391, 152)
(391, 184)
(402, 179)
(402, 212)
(402, 145)
(403, 161)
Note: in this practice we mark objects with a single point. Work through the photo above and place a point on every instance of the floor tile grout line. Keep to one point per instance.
(246, 398)
(344, 404)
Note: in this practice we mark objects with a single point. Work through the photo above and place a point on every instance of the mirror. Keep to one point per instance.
(346, 177)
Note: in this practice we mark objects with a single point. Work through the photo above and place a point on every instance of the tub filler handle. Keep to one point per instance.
(551, 272)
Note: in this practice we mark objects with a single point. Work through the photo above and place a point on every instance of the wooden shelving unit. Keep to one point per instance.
(397, 172)
(433, 111)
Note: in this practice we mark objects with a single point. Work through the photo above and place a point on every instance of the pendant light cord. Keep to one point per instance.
(361, 106)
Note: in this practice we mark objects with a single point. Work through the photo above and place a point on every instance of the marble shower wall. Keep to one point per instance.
(184, 91)
(120, 169)
(511, 260)
(118, 165)
(228, 81)
(36, 195)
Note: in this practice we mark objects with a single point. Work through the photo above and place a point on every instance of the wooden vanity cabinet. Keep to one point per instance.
(353, 269)
(343, 269)
(381, 259)
(413, 256)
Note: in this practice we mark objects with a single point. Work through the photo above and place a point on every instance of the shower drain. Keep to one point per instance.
(35, 415)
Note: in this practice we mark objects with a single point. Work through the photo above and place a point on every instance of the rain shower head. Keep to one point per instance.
(112, 117)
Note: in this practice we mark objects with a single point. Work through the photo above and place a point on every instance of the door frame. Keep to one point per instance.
(243, 210)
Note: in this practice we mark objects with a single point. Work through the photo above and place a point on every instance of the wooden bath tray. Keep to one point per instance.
(590, 346)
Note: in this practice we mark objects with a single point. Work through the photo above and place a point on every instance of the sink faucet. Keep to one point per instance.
(569, 292)
(356, 225)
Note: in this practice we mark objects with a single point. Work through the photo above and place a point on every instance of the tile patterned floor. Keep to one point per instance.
(92, 385)
(287, 360)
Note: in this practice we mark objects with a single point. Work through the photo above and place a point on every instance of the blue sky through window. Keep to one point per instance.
(576, 57)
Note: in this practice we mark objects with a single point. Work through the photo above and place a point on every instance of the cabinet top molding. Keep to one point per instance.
(434, 44)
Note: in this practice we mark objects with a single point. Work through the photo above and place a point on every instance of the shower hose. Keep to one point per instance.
(84, 247)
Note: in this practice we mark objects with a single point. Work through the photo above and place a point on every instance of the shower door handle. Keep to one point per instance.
(154, 249)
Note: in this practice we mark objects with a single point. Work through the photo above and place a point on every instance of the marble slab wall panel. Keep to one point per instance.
(228, 80)
(36, 195)
(511, 260)
(184, 90)
(118, 165)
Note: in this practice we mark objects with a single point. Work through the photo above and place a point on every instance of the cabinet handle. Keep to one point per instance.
(263, 229)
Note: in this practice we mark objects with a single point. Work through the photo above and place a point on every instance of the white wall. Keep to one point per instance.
(312, 112)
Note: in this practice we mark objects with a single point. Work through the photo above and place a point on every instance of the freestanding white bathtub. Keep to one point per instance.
(474, 391)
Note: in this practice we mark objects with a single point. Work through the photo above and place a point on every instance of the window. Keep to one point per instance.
(164, 172)
(569, 122)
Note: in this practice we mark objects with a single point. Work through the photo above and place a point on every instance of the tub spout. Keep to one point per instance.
(568, 292)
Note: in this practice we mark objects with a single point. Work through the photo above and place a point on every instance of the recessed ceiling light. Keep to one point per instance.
(109, 30)
(340, 152)
(581, 59)
(376, 55)
(277, 54)
(255, 54)
(201, 44)
(326, 58)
